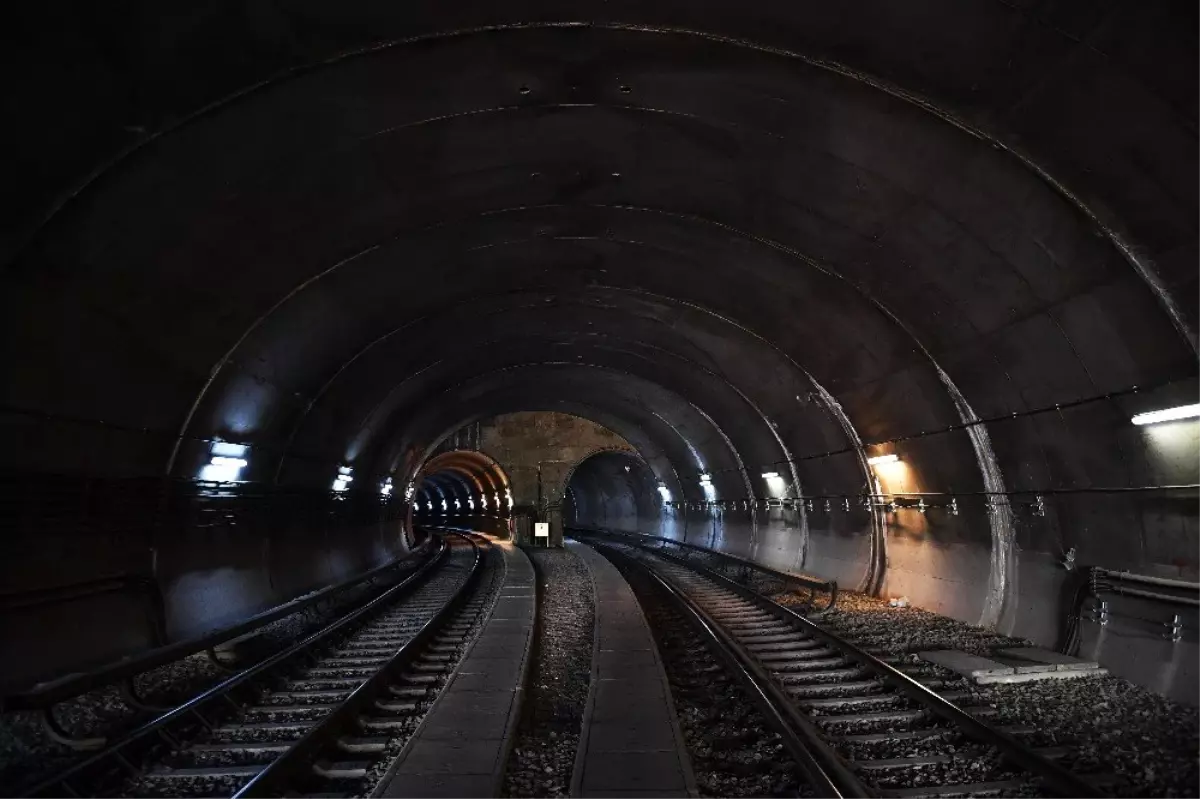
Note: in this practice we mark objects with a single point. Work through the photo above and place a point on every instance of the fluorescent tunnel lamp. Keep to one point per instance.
(342, 481)
(770, 475)
(878, 459)
(226, 463)
(1165, 415)
(386, 488)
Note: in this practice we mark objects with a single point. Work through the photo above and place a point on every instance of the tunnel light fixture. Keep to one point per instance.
(409, 489)
(1167, 415)
(226, 462)
(386, 488)
(707, 478)
(470, 503)
(343, 479)
(444, 505)
(457, 504)
(881, 459)
(770, 475)
(665, 493)
(483, 501)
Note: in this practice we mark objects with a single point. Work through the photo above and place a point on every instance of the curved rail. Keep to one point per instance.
(285, 770)
(828, 774)
(47, 694)
(1053, 776)
(815, 584)
(119, 756)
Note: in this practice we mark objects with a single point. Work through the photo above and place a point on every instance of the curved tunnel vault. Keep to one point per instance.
(763, 250)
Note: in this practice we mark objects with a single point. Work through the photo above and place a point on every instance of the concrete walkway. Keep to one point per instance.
(461, 747)
(630, 744)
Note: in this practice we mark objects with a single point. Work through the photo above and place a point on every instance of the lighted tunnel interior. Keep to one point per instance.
(763, 249)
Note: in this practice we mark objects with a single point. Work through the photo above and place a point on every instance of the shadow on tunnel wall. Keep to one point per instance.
(190, 557)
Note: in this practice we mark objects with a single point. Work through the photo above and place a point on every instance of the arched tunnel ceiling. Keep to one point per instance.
(741, 239)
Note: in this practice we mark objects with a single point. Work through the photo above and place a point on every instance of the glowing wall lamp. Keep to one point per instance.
(483, 500)
(770, 475)
(470, 503)
(342, 481)
(879, 460)
(386, 488)
(226, 463)
(1167, 415)
(664, 492)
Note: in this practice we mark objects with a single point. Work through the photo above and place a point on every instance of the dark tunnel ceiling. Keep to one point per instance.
(735, 239)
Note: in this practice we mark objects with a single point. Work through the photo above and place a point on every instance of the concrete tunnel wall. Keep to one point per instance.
(782, 241)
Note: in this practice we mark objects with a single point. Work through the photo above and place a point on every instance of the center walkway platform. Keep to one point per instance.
(630, 744)
(461, 746)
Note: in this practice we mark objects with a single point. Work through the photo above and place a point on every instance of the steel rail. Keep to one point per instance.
(221, 691)
(50, 693)
(828, 773)
(814, 583)
(276, 777)
(1059, 779)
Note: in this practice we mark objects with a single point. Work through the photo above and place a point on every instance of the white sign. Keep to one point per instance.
(541, 529)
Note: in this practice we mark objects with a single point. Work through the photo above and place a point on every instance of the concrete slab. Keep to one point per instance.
(611, 658)
(643, 688)
(966, 664)
(634, 794)
(437, 786)
(487, 679)
(633, 770)
(642, 734)
(461, 746)
(630, 744)
(1069, 674)
(1047, 657)
(437, 756)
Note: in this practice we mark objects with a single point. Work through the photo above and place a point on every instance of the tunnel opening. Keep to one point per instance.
(616, 491)
(463, 489)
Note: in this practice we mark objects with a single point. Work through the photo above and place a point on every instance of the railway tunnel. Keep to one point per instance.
(898, 296)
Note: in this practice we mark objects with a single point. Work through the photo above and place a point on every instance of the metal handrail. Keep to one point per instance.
(273, 779)
(828, 774)
(222, 689)
(817, 583)
(1058, 778)
(46, 694)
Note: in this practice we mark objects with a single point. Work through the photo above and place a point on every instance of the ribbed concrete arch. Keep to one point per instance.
(780, 241)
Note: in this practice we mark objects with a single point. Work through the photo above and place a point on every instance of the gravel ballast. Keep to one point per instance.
(1109, 726)
(543, 755)
(733, 751)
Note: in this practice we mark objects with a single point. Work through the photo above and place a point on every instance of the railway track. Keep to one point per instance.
(859, 723)
(315, 718)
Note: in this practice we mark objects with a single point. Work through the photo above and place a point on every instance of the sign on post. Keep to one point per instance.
(542, 530)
